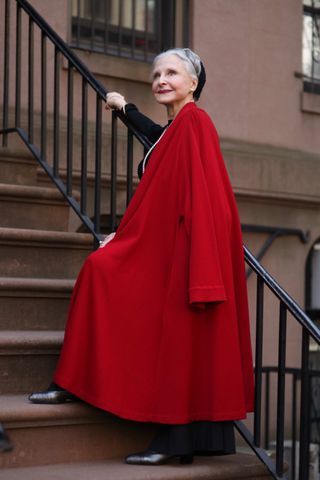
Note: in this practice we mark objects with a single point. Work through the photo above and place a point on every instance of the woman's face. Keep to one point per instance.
(172, 84)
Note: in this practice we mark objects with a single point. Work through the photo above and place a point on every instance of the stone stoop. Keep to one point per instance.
(238, 466)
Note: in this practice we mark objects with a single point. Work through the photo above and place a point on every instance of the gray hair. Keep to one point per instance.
(192, 60)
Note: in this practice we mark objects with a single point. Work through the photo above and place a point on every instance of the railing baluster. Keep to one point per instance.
(78, 23)
(5, 113)
(267, 411)
(293, 425)
(70, 129)
(129, 166)
(281, 387)
(113, 199)
(258, 361)
(56, 113)
(43, 95)
(93, 15)
(30, 79)
(97, 184)
(133, 28)
(304, 408)
(120, 27)
(18, 67)
(146, 30)
(84, 146)
(106, 26)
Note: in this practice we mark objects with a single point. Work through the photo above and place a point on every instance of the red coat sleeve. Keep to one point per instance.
(205, 278)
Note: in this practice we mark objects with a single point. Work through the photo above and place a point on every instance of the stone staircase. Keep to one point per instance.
(39, 261)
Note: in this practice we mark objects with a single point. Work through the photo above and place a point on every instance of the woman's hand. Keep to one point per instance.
(107, 239)
(115, 101)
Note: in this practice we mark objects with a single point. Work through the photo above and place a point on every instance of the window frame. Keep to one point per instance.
(311, 84)
(163, 37)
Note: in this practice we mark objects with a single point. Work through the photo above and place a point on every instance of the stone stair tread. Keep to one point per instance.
(30, 339)
(38, 284)
(30, 191)
(241, 466)
(22, 235)
(16, 409)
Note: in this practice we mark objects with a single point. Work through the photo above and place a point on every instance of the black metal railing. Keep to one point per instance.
(293, 380)
(39, 147)
(24, 127)
(309, 329)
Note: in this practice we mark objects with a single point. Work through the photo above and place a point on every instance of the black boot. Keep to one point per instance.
(54, 394)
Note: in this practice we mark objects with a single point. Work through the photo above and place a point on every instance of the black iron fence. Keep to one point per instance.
(13, 76)
(293, 385)
(308, 329)
(39, 147)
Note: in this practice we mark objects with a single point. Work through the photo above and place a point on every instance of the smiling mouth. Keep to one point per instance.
(164, 91)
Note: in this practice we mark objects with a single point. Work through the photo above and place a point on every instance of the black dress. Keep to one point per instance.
(201, 437)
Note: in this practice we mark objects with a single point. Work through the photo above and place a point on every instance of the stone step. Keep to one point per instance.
(34, 303)
(238, 466)
(70, 432)
(26, 206)
(42, 253)
(17, 167)
(28, 359)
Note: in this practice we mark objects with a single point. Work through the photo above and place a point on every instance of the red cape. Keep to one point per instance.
(136, 344)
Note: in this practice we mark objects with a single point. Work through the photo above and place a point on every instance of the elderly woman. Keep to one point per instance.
(158, 327)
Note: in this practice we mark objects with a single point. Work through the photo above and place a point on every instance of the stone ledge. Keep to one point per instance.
(38, 286)
(23, 236)
(30, 341)
(25, 192)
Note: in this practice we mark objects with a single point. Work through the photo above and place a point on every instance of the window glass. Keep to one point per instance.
(129, 28)
(315, 285)
(311, 44)
(312, 3)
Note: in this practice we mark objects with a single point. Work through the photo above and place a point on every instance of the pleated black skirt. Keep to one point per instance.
(196, 438)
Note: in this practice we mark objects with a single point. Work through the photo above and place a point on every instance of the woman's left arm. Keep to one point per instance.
(143, 123)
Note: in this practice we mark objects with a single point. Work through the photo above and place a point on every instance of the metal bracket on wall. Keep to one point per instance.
(274, 233)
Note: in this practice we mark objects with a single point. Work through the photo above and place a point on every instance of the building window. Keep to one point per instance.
(136, 29)
(313, 283)
(311, 46)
